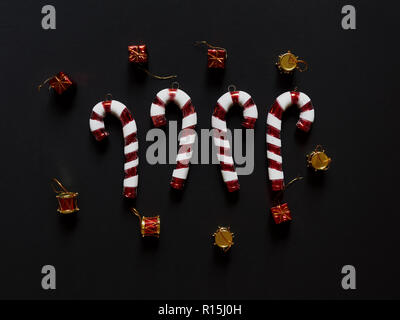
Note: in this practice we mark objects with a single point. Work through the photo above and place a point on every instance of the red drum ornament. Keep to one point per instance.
(67, 201)
(129, 129)
(187, 135)
(274, 124)
(149, 226)
(221, 142)
(59, 83)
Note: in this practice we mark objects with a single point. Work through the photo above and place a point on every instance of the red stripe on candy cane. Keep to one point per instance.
(130, 138)
(274, 132)
(96, 116)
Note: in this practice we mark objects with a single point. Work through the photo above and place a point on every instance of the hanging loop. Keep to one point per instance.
(136, 213)
(155, 76)
(303, 64)
(203, 42)
(231, 88)
(59, 185)
(280, 193)
(175, 85)
(43, 83)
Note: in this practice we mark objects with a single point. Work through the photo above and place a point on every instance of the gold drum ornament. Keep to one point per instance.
(318, 159)
(288, 62)
(223, 238)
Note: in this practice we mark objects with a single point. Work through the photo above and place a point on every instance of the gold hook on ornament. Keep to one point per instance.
(157, 76)
(276, 199)
(293, 181)
(59, 184)
(304, 64)
(136, 213)
(203, 42)
(43, 83)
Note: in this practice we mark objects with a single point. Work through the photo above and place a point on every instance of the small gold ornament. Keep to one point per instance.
(318, 159)
(288, 62)
(67, 201)
(223, 238)
(149, 226)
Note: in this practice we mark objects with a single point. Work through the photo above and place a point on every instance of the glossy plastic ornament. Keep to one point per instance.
(96, 123)
(221, 142)
(187, 136)
(274, 124)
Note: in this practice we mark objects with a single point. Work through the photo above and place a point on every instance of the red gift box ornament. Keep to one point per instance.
(216, 56)
(60, 82)
(139, 57)
(281, 213)
(138, 54)
(149, 226)
(67, 201)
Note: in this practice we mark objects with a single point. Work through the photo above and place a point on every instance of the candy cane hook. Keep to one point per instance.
(218, 122)
(129, 129)
(274, 124)
(187, 136)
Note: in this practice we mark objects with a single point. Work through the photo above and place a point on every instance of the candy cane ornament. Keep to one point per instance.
(129, 129)
(187, 135)
(218, 123)
(274, 124)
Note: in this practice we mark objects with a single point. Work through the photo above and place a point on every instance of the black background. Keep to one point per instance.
(347, 216)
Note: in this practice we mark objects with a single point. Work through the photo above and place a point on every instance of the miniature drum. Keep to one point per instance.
(67, 202)
(318, 159)
(223, 238)
(150, 226)
(288, 62)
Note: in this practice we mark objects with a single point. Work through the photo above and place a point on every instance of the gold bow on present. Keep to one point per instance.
(281, 213)
(137, 54)
(215, 60)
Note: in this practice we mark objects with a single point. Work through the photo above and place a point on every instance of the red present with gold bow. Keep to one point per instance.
(281, 213)
(60, 82)
(138, 54)
(216, 58)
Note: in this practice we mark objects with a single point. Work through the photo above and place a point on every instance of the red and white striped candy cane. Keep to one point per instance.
(187, 136)
(218, 122)
(129, 129)
(274, 124)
